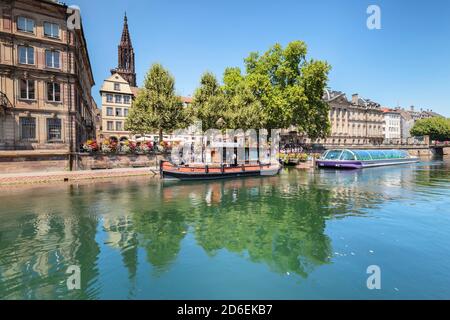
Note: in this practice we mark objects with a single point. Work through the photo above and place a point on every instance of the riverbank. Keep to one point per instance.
(74, 176)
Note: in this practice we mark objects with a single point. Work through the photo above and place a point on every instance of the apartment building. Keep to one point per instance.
(392, 124)
(45, 78)
(116, 96)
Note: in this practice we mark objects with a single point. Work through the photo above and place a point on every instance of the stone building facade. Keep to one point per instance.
(45, 79)
(353, 122)
(126, 65)
(393, 124)
(116, 97)
(119, 91)
(359, 121)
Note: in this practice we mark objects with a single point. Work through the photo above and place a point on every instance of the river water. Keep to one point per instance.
(299, 235)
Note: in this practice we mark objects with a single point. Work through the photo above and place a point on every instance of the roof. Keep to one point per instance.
(108, 84)
(186, 99)
(330, 95)
(135, 90)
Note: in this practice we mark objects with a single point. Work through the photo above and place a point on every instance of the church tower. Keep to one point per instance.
(126, 67)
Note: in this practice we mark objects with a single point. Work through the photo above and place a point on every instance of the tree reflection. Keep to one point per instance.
(276, 221)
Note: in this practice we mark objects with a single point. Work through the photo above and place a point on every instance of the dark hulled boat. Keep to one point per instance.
(169, 170)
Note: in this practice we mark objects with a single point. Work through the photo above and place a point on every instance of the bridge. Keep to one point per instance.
(416, 145)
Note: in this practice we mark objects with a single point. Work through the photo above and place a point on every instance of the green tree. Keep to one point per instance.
(209, 104)
(438, 128)
(290, 88)
(279, 89)
(157, 107)
(244, 109)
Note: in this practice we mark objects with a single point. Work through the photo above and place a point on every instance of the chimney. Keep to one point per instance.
(355, 98)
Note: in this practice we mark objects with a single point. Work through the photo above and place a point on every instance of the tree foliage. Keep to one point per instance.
(438, 128)
(157, 107)
(279, 89)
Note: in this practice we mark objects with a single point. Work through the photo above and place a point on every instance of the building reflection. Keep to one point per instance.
(276, 221)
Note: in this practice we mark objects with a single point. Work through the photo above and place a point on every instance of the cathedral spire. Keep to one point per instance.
(126, 39)
(126, 67)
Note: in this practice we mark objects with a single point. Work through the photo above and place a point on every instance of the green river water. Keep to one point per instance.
(299, 235)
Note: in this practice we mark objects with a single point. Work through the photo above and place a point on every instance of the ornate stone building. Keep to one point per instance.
(356, 122)
(45, 78)
(126, 67)
(119, 90)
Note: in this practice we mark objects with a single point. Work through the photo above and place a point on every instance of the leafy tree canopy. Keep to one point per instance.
(157, 107)
(279, 89)
(438, 128)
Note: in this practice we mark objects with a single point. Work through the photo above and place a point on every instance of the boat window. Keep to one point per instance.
(333, 154)
(380, 154)
(362, 155)
(347, 155)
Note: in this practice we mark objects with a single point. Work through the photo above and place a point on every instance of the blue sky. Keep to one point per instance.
(405, 63)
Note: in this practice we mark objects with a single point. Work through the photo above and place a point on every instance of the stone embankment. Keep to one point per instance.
(74, 176)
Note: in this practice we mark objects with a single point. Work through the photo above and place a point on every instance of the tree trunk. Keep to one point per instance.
(160, 136)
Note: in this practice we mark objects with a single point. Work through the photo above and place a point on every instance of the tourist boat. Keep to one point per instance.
(169, 170)
(357, 159)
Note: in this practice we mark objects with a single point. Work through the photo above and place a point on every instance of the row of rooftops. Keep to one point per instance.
(332, 95)
(413, 113)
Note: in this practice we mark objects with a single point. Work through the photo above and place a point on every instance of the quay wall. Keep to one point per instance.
(114, 161)
(32, 161)
(51, 161)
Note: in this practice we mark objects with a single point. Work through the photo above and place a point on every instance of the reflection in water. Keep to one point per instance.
(276, 221)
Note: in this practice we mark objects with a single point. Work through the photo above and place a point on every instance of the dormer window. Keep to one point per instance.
(25, 24)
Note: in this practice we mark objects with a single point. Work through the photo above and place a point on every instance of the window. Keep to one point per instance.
(26, 55)
(117, 86)
(53, 92)
(118, 126)
(118, 112)
(51, 30)
(53, 129)
(109, 97)
(109, 111)
(125, 112)
(25, 24)
(52, 59)
(110, 125)
(27, 128)
(126, 99)
(332, 154)
(118, 98)
(27, 89)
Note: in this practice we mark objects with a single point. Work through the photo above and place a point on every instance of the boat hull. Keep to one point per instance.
(359, 164)
(170, 172)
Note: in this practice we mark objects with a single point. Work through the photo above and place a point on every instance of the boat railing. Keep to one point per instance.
(207, 167)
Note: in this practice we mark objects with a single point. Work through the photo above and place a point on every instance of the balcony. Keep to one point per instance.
(5, 104)
(88, 123)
